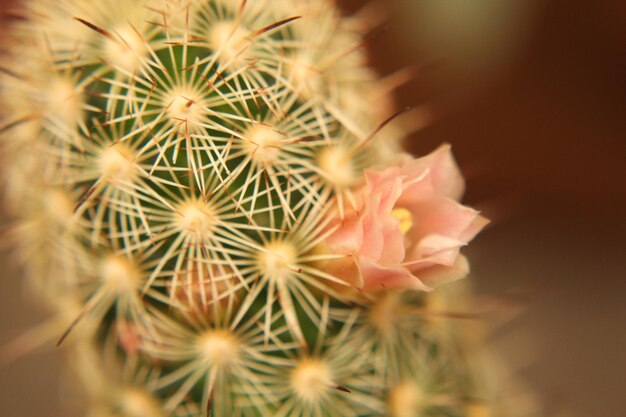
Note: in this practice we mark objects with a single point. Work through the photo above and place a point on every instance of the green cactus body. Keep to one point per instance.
(174, 167)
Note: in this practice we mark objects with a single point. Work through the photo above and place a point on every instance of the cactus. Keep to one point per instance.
(182, 174)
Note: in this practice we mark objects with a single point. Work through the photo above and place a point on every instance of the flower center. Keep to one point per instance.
(405, 218)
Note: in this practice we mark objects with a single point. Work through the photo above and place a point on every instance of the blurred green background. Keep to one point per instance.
(532, 96)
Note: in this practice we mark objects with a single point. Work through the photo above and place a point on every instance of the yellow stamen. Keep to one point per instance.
(405, 218)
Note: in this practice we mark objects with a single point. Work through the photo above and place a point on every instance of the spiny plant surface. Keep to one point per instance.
(179, 171)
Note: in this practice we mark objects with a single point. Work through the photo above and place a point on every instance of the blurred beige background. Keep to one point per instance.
(532, 96)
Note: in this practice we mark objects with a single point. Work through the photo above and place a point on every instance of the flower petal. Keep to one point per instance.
(376, 277)
(443, 179)
(348, 238)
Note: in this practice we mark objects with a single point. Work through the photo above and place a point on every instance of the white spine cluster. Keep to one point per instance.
(170, 165)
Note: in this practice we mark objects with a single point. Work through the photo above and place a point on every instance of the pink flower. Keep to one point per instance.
(408, 226)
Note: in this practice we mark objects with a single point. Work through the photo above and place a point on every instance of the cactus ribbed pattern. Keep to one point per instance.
(175, 169)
